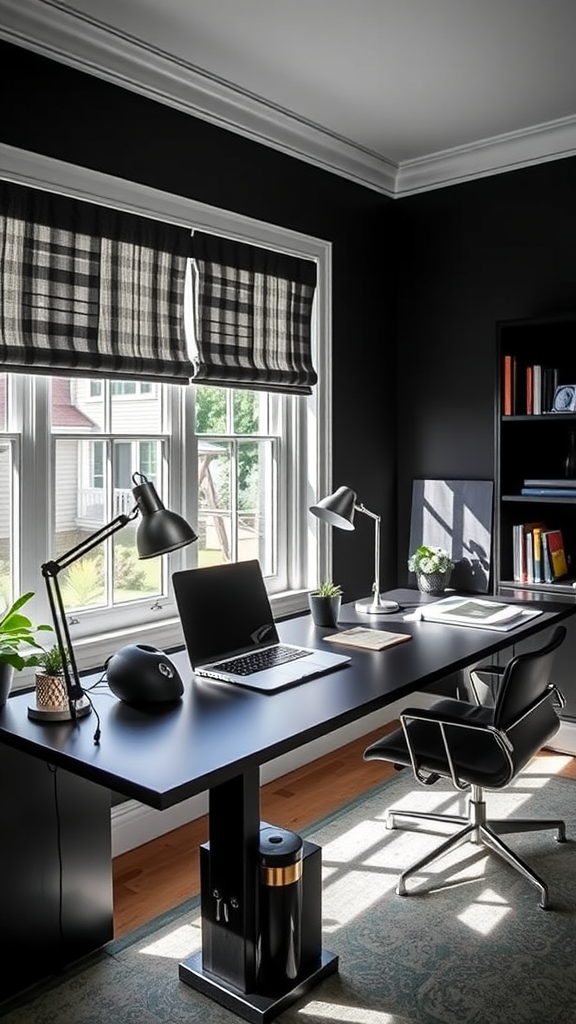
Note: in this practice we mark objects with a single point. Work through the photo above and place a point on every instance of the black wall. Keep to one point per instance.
(418, 283)
(469, 255)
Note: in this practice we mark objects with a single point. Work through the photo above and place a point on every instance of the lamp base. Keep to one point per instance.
(370, 606)
(82, 707)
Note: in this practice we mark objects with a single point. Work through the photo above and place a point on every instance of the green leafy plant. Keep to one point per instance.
(428, 560)
(16, 630)
(51, 661)
(328, 589)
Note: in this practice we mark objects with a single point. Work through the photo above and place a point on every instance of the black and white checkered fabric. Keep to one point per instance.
(105, 301)
(252, 313)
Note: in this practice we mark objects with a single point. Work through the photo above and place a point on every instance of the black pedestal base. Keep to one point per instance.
(253, 1006)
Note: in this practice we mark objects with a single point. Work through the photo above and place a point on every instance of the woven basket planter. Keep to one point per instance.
(51, 692)
(433, 582)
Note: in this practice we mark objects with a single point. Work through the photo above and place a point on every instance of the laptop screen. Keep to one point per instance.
(223, 609)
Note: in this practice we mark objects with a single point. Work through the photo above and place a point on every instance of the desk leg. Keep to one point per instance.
(226, 968)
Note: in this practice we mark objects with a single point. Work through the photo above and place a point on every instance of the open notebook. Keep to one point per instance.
(475, 611)
(231, 635)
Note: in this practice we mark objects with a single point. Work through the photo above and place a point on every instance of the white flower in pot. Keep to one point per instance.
(433, 567)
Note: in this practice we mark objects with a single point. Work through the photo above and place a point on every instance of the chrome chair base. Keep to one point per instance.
(478, 829)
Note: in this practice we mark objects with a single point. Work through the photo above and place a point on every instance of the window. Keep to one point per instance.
(241, 466)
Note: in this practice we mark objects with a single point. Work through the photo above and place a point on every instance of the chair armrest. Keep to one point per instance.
(446, 717)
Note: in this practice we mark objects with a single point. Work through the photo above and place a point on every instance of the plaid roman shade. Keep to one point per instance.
(89, 290)
(252, 313)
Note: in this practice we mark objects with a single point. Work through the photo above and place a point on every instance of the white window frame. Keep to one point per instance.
(310, 548)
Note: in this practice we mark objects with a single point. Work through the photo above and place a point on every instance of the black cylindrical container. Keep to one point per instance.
(280, 908)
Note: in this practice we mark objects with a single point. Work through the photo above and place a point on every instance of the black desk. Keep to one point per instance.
(56, 908)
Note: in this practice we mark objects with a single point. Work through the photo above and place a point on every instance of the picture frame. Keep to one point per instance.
(564, 399)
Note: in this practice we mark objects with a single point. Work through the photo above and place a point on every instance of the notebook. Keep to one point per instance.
(227, 620)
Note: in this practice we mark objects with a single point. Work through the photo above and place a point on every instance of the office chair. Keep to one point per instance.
(479, 747)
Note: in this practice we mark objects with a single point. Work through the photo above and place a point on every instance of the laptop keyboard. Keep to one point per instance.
(247, 664)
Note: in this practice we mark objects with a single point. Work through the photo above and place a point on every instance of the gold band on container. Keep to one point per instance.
(281, 876)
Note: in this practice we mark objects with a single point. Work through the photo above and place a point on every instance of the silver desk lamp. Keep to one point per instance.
(338, 510)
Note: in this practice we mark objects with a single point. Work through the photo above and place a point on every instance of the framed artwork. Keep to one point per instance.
(456, 515)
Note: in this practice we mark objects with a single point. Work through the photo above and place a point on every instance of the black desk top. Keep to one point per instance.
(216, 731)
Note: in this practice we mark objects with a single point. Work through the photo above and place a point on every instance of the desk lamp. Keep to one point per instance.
(159, 532)
(338, 510)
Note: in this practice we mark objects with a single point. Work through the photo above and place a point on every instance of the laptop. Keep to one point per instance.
(231, 635)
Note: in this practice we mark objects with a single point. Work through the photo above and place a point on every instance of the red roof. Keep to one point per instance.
(64, 414)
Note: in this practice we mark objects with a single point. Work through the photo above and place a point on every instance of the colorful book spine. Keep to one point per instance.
(551, 492)
(537, 544)
(507, 404)
(529, 390)
(554, 544)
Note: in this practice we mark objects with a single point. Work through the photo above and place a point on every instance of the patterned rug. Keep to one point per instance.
(468, 946)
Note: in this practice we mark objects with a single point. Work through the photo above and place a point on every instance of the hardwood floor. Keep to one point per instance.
(159, 875)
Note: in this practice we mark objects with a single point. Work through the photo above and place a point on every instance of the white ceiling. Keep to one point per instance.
(401, 94)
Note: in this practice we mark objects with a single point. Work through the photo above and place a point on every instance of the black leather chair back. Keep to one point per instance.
(525, 681)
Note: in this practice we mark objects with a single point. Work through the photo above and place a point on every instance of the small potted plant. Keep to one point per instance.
(50, 682)
(433, 568)
(17, 631)
(325, 603)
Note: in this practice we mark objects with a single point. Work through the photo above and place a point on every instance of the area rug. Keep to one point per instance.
(469, 945)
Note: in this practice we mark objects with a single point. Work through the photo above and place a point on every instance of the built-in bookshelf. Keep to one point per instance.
(535, 487)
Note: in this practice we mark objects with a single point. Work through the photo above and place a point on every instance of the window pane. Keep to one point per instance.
(211, 410)
(133, 579)
(3, 401)
(136, 408)
(214, 468)
(257, 526)
(79, 510)
(74, 407)
(250, 411)
(6, 524)
(237, 502)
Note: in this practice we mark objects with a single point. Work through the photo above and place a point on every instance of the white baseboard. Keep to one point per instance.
(134, 824)
(565, 739)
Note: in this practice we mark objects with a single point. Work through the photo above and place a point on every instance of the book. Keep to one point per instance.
(565, 482)
(551, 492)
(520, 532)
(553, 543)
(477, 612)
(370, 639)
(537, 390)
(507, 403)
(537, 546)
(529, 391)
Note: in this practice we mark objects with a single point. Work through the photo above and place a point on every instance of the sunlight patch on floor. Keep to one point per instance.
(340, 1014)
(178, 944)
(355, 841)
(348, 896)
(485, 913)
(552, 764)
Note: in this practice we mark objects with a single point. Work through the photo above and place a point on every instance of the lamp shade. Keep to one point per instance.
(337, 509)
(159, 531)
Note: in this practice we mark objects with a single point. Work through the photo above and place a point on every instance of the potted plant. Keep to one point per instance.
(325, 603)
(433, 568)
(16, 631)
(50, 682)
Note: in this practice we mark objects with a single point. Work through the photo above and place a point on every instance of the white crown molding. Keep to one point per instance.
(534, 145)
(49, 28)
